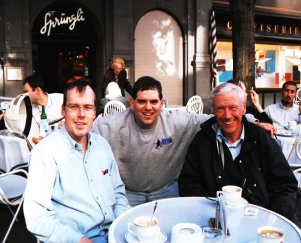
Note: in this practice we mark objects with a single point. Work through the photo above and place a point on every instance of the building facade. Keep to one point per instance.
(166, 39)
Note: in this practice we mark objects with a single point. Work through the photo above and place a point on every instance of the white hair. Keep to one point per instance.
(112, 91)
(226, 88)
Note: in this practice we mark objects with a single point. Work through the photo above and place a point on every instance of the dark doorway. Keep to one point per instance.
(64, 45)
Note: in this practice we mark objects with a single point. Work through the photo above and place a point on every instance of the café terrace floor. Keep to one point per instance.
(19, 232)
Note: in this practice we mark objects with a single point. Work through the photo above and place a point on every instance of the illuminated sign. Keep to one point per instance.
(264, 26)
(51, 21)
(271, 28)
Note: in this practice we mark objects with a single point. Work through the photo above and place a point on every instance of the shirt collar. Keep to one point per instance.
(220, 136)
(285, 107)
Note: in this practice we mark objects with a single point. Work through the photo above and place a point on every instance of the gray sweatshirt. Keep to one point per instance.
(149, 159)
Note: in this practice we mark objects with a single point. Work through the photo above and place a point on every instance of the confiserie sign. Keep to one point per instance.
(264, 26)
(272, 28)
(51, 21)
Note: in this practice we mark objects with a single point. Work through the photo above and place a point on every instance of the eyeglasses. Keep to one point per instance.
(76, 107)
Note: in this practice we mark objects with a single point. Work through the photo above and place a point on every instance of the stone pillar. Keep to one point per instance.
(201, 60)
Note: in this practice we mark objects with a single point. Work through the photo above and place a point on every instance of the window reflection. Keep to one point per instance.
(274, 64)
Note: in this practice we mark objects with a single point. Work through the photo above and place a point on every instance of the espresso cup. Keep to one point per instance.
(186, 232)
(269, 234)
(232, 194)
(145, 228)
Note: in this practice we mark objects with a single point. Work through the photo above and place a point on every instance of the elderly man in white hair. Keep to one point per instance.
(229, 150)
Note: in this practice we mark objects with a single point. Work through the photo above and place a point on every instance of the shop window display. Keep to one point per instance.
(274, 64)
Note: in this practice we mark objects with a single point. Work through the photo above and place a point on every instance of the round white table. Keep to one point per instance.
(199, 210)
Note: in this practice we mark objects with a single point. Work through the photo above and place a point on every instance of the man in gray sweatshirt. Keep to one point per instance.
(149, 143)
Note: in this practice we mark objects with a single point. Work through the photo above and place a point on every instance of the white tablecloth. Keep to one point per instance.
(199, 210)
(13, 151)
(287, 143)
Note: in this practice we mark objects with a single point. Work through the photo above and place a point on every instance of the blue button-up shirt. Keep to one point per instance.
(233, 147)
(70, 194)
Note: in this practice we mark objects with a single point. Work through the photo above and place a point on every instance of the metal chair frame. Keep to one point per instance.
(9, 198)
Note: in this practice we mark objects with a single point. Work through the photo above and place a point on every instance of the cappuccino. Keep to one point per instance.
(146, 222)
(269, 234)
(232, 194)
(145, 228)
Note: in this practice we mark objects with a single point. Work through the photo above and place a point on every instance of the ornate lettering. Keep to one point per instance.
(229, 25)
(270, 29)
(296, 30)
(51, 22)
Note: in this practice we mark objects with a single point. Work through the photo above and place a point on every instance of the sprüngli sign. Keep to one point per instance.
(51, 21)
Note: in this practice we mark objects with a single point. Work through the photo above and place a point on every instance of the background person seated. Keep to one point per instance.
(35, 87)
(285, 110)
(113, 92)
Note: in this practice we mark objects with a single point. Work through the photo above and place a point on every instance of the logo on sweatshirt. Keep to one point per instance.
(163, 142)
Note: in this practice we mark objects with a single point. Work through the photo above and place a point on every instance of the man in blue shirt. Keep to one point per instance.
(74, 190)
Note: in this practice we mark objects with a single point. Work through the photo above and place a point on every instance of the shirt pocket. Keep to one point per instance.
(107, 188)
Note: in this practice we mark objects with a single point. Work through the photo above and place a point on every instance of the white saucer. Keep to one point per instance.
(132, 239)
(240, 204)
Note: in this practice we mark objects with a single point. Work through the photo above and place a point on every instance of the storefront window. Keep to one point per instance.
(274, 64)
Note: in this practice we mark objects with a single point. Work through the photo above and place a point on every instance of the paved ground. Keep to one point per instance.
(19, 233)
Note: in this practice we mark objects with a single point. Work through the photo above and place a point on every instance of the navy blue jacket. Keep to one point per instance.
(270, 182)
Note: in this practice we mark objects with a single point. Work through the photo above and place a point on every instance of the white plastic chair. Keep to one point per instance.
(12, 187)
(195, 105)
(113, 106)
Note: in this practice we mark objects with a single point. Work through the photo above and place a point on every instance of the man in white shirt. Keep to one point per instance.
(286, 110)
(34, 86)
